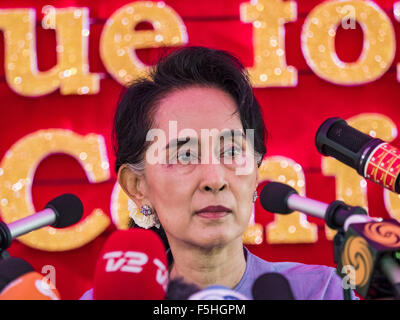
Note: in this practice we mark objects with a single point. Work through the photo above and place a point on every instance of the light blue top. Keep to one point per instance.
(308, 282)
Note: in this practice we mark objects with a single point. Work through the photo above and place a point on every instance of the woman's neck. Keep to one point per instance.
(204, 267)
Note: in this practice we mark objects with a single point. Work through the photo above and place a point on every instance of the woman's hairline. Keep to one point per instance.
(139, 167)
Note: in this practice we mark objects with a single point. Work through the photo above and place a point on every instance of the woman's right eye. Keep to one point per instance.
(187, 156)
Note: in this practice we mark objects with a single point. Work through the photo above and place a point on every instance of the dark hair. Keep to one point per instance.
(185, 67)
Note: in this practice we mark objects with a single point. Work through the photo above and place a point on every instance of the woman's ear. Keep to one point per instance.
(132, 184)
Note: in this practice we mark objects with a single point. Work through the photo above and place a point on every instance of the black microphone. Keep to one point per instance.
(60, 212)
(272, 286)
(11, 269)
(369, 244)
(178, 289)
(372, 158)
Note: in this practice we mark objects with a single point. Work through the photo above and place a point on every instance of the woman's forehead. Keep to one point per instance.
(197, 108)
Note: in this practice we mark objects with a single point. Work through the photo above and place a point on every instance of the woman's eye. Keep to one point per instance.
(232, 152)
(187, 156)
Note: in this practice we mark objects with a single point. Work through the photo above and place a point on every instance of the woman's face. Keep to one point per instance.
(198, 192)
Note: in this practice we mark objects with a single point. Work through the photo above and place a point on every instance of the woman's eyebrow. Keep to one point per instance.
(178, 142)
(234, 133)
(192, 140)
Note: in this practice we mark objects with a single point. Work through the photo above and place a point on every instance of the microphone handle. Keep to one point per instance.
(8, 232)
(309, 206)
(35, 221)
(337, 214)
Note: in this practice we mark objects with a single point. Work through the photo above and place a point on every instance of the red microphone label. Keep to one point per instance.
(383, 166)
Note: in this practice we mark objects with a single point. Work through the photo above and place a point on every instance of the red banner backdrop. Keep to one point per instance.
(292, 112)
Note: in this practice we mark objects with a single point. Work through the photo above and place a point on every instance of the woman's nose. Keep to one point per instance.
(213, 178)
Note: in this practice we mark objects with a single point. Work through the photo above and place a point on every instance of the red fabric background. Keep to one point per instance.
(292, 116)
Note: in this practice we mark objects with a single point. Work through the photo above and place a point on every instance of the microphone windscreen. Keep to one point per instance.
(273, 197)
(337, 139)
(11, 269)
(272, 286)
(178, 289)
(217, 292)
(132, 266)
(68, 208)
(30, 286)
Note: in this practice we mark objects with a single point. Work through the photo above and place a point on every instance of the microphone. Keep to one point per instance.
(178, 289)
(60, 212)
(132, 266)
(11, 269)
(370, 245)
(217, 292)
(30, 286)
(281, 198)
(272, 286)
(19, 281)
(372, 158)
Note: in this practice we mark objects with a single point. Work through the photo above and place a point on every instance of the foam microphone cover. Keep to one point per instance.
(30, 286)
(68, 209)
(132, 266)
(178, 289)
(272, 286)
(217, 292)
(273, 197)
(11, 269)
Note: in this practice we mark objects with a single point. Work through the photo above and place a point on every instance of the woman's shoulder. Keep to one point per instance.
(288, 267)
(307, 282)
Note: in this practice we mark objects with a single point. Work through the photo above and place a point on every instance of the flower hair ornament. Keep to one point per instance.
(145, 217)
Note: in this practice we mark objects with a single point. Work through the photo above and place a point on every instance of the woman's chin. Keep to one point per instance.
(214, 241)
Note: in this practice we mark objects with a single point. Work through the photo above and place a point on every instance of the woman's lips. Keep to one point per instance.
(213, 212)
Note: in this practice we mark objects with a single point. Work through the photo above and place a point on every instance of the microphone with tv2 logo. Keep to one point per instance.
(372, 158)
(132, 266)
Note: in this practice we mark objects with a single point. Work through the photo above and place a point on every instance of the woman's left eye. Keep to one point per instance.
(232, 151)
(187, 156)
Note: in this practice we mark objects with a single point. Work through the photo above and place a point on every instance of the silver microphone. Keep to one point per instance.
(60, 212)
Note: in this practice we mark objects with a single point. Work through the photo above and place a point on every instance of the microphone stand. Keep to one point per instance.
(387, 270)
(335, 217)
(5, 240)
(338, 242)
(367, 249)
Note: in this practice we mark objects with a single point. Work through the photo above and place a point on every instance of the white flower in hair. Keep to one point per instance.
(140, 219)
